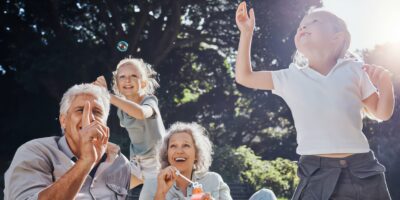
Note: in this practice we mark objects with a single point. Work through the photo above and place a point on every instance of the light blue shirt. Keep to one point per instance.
(212, 183)
(144, 134)
(39, 163)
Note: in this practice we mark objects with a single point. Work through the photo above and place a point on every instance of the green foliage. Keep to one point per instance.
(282, 198)
(49, 45)
(241, 165)
(191, 44)
(188, 96)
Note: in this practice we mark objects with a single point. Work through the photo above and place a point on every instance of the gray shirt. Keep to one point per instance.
(39, 163)
(146, 133)
(211, 182)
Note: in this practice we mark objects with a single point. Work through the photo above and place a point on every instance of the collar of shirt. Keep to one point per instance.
(310, 71)
(63, 145)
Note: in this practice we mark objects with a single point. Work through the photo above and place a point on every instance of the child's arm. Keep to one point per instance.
(131, 108)
(380, 105)
(244, 74)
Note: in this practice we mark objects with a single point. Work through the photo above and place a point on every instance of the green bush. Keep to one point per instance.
(241, 165)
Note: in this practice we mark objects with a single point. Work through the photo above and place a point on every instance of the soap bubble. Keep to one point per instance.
(122, 46)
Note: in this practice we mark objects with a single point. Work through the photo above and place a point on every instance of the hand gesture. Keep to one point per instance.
(166, 179)
(243, 21)
(93, 137)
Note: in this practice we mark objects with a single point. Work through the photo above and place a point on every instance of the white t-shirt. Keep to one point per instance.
(326, 109)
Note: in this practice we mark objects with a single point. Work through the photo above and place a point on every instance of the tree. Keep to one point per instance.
(49, 45)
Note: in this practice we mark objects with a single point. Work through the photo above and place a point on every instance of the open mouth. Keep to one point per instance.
(180, 159)
(128, 87)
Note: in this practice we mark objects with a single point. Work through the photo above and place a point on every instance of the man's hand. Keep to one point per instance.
(93, 136)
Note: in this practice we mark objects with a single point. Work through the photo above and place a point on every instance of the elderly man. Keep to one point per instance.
(81, 164)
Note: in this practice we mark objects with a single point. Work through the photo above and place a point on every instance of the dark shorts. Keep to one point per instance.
(357, 177)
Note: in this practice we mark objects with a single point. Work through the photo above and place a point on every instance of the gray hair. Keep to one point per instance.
(99, 92)
(147, 73)
(338, 25)
(201, 141)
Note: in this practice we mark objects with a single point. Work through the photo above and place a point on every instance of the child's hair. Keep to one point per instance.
(147, 74)
(338, 25)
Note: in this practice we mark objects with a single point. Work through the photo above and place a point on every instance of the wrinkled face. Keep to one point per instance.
(129, 80)
(71, 122)
(314, 33)
(182, 151)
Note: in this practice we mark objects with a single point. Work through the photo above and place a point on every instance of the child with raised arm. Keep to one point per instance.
(328, 92)
(138, 112)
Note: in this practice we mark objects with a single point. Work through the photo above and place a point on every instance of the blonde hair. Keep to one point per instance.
(146, 71)
(201, 141)
(338, 25)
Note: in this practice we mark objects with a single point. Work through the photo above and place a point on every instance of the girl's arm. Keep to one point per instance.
(131, 108)
(381, 104)
(244, 74)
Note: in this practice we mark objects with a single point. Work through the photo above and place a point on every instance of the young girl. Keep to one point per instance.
(326, 92)
(138, 112)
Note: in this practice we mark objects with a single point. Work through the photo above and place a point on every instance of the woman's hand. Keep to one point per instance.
(165, 180)
(206, 196)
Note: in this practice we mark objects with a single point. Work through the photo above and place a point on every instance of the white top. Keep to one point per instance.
(326, 109)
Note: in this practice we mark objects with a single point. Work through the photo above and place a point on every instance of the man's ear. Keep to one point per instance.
(62, 119)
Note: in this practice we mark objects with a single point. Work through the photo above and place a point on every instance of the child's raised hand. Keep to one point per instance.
(378, 75)
(243, 21)
(101, 81)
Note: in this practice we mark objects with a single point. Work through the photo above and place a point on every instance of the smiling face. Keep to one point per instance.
(315, 32)
(182, 152)
(130, 80)
(71, 122)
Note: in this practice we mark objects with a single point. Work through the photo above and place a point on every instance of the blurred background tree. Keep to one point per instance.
(47, 46)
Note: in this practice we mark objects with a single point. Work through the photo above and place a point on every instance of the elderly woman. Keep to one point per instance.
(186, 149)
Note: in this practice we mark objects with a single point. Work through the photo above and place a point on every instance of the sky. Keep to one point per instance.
(370, 22)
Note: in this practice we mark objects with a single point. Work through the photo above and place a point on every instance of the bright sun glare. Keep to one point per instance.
(370, 22)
